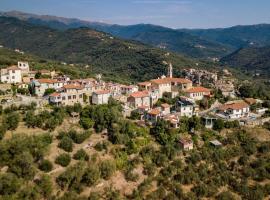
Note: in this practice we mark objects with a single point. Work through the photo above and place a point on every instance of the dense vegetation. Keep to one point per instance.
(158, 36)
(254, 60)
(103, 53)
(148, 160)
(237, 36)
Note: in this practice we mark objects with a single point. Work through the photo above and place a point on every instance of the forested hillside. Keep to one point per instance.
(102, 52)
(254, 60)
(156, 36)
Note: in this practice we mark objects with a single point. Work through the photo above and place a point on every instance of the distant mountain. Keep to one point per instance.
(120, 59)
(252, 59)
(237, 36)
(161, 37)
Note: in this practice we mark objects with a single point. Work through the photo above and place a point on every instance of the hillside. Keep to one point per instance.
(237, 36)
(105, 54)
(10, 57)
(252, 59)
(157, 36)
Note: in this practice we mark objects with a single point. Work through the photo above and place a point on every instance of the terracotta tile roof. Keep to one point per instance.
(100, 92)
(146, 83)
(154, 112)
(165, 105)
(170, 80)
(198, 89)
(47, 80)
(140, 94)
(234, 106)
(14, 67)
(73, 86)
(250, 101)
(55, 94)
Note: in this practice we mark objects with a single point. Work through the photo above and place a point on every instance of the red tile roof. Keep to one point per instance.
(170, 80)
(146, 83)
(13, 68)
(234, 106)
(100, 92)
(47, 80)
(198, 89)
(55, 94)
(154, 112)
(140, 94)
(73, 86)
(165, 105)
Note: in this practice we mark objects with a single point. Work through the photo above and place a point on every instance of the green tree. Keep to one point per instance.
(45, 165)
(107, 169)
(66, 144)
(11, 121)
(63, 159)
(91, 176)
(9, 184)
(81, 155)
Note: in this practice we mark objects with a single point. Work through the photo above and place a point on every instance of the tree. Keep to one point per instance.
(86, 123)
(22, 166)
(45, 185)
(63, 159)
(91, 176)
(49, 91)
(11, 121)
(9, 184)
(45, 165)
(218, 124)
(81, 155)
(66, 144)
(107, 168)
(2, 132)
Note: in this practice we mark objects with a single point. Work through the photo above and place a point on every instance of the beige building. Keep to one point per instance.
(138, 99)
(69, 95)
(101, 97)
(11, 74)
(171, 85)
(198, 93)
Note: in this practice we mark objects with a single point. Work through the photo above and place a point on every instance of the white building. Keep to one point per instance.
(198, 93)
(40, 85)
(11, 75)
(24, 66)
(235, 110)
(101, 97)
(185, 107)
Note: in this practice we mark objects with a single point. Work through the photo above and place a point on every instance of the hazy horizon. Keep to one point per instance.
(168, 13)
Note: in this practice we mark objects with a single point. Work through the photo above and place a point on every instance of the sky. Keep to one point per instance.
(169, 13)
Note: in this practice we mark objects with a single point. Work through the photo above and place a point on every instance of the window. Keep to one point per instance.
(13, 71)
(80, 96)
(74, 96)
(13, 77)
(69, 97)
(63, 98)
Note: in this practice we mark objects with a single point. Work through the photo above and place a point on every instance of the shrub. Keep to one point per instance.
(91, 176)
(9, 184)
(45, 165)
(81, 155)
(107, 168)
(63, 159)
(86, 123)
(66, 144)
(11, 121)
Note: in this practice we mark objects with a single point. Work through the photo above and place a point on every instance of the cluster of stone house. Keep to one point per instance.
(142, 97)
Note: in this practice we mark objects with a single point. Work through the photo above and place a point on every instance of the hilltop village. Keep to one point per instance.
(190, 137)
(166, 97)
